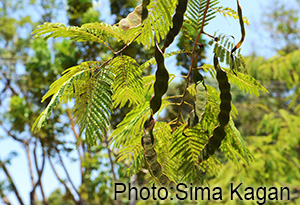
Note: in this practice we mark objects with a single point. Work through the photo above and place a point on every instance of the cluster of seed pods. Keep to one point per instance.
(160, 88)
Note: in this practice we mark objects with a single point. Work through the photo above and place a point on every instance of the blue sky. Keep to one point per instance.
(253, 42)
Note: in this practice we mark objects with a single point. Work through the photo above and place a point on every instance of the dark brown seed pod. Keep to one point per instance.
(225, 106)
(164, 180)
(223, 118)
(155, 169)
(155, 103)
(214, 141)
(177, 23)
(243, 32)
(226, 96)
(145, 3)
(161, 80)
(150, 155)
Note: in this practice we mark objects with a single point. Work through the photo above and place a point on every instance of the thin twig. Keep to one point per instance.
(9, 132)
(118, 52)
(27, 149)
(39, 172)
(111, 164)
(194, 57)
(4, 198)
(61, 181)
(67, 173)
(69, 113)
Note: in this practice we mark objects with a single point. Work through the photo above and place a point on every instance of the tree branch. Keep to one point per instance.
(61, 181)
(4, 198)
(39, 172)
(27, 149)
(69, 113)
(67, 173)
(111, 164)
(12, 184)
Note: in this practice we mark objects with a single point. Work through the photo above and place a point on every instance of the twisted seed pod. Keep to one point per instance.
(148, 139)
(242, 32)
(150, 155)
(161, 80)
(201, 94)
(177, 23)
(200, 100)
(214, 141)
(225, 96)
(145, 3)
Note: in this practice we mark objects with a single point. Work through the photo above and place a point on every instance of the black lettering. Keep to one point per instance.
(273, 193)
(153, 191)
(263, 198)
(219, 194)
(141, 194)
(116, 191)
(181, 190)
(202, 192)
(234, 191)
(281, 192)
(166, 193)
(191, 192)
(250, 194)
(129, 193)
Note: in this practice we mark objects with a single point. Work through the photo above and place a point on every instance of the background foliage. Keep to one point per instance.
(23, 60)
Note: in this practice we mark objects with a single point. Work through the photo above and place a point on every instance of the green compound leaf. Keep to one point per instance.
(97, 32)
(128, 83)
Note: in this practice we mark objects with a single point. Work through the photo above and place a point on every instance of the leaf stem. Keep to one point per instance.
(194, 57)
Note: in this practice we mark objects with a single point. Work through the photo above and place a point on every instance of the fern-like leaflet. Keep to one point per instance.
(97, 32)
(90, 85)
(128, 85)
